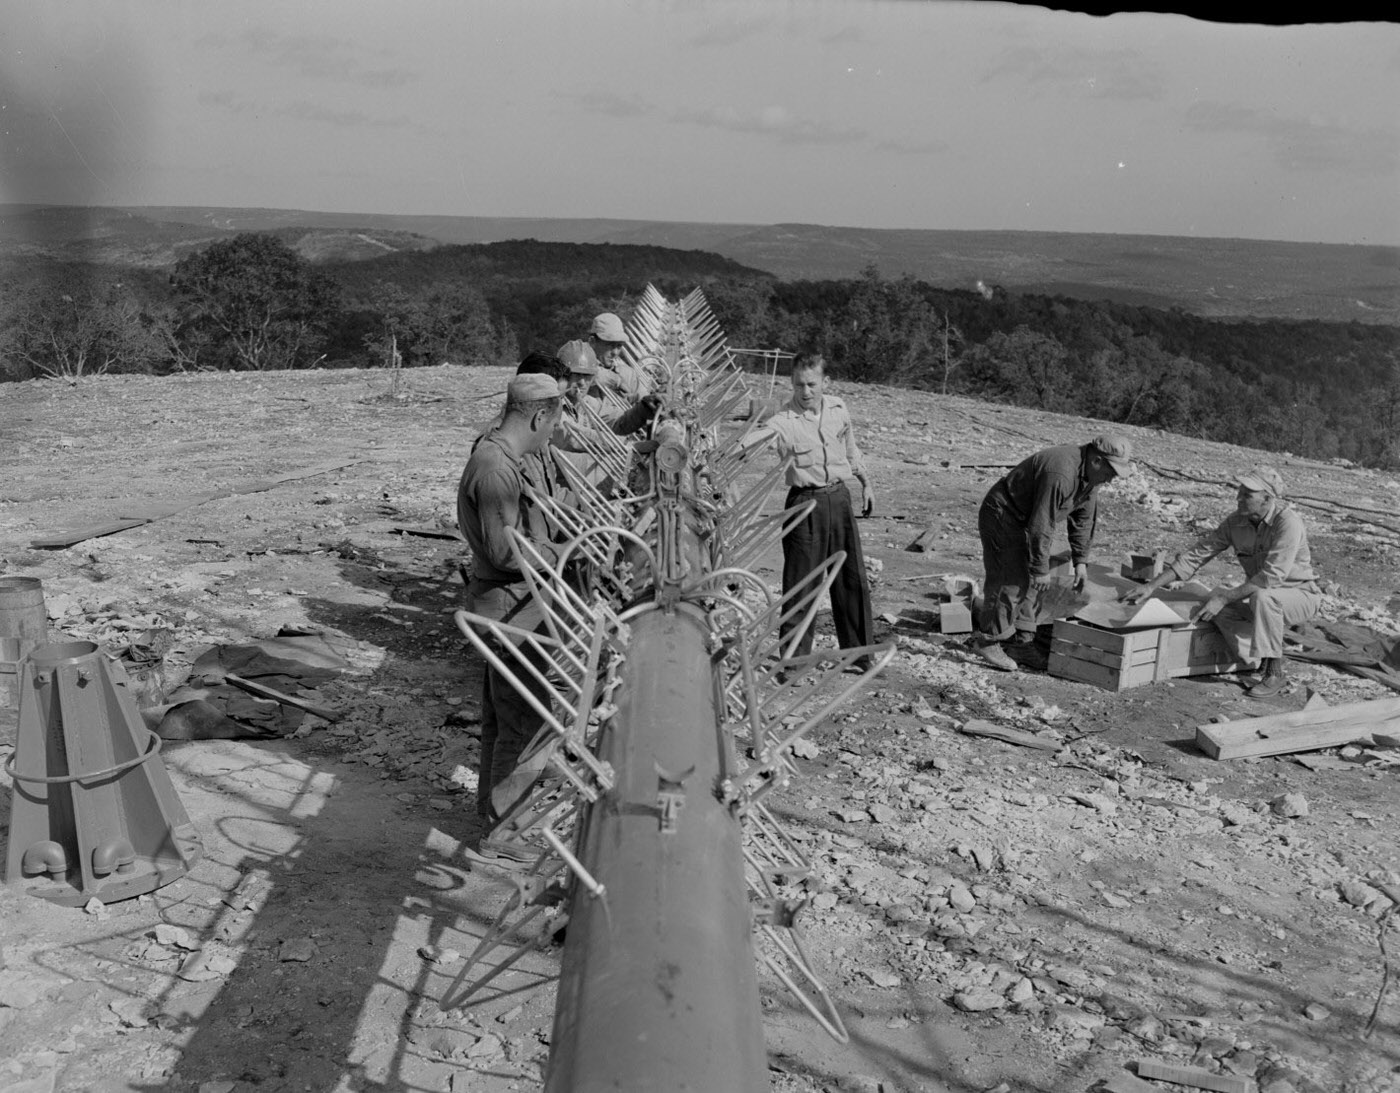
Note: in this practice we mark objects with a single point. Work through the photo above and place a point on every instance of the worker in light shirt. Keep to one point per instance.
(1280, 590)
(815, 429)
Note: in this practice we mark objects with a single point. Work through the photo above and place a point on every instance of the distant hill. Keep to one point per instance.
(1218, 278)
(514, 264)
(144, 238)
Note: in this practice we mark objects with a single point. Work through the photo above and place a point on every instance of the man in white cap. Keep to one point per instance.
(489, 502)
(1280, 589)
(1017, 523)
(607, 338)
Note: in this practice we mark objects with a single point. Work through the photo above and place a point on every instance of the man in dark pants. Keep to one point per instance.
(490, 501)
(1017, 522)
(815, 428)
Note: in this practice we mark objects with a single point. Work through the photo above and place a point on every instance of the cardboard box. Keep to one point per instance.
(1144, 567)
(954, 618)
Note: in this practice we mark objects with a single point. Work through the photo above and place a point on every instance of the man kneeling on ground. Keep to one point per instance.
(1269, 538)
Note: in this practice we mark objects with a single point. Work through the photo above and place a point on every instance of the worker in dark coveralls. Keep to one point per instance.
(1280, 589)
(489, 502)
(1017, 523)
(815, 429)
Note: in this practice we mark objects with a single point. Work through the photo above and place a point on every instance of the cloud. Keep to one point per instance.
(613, 105)
(912, 148)
(848, 35)
(1301, 144)
(314, 56)
(1096, 73)
(301, 110)
(729, 33)
(770, 121)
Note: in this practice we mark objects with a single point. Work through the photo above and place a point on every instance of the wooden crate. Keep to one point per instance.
(1119, 659)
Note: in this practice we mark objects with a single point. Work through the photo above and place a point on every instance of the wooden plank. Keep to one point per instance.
(1123, 1082)
(924, 541)
(1132, 659)
(1008, 736)
(1080, 633)
(1163, 659)
(1086, 653)
(1085, 672)
(155, 512)
(78, 535)
(1298, 730)
(159, 510)
(428, 533)
(1195, 1077)
(1388, 679)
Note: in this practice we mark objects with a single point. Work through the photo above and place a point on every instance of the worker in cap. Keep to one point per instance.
(587, 415)
(1016, 524)
(1268, 536)
(616, 374)
(580, 367)
(491, 501)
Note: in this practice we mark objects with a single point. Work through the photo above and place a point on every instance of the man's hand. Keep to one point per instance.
(1040, 583)
(1211, 608)
(1142, 592)
(868, 495)
(1081, 576)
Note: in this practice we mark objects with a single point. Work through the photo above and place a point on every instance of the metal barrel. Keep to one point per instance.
(23, 626)
(658, 990)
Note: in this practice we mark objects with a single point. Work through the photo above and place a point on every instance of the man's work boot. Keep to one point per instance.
(1030, 657)
(1272, 681)
(994, 654)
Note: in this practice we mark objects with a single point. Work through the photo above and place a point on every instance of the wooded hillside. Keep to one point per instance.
(1322, 389)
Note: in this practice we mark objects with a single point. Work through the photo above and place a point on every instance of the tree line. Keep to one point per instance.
(1320, 389)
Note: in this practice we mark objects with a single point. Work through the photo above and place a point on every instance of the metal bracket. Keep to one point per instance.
(670, 797)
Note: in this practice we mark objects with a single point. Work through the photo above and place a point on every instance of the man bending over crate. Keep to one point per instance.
(1280, 590)
(1017, 522)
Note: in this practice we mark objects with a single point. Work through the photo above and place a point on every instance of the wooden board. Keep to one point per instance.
(1119, 659)
(61, 539)
(1008, 736)
(135, 514)
(1299, 730)
(1195, 1077)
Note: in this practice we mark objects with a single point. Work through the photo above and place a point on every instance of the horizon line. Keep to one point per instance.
(709, 223)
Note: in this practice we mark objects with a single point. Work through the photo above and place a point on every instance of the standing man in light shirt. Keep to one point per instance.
(1280, 588)
(815, 428)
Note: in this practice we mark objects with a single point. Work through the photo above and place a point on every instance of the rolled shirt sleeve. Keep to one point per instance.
(1189, 561)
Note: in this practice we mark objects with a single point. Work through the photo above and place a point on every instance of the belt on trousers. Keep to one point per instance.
(819, 489)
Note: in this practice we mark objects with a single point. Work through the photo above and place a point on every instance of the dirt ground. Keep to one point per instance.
(988, 917)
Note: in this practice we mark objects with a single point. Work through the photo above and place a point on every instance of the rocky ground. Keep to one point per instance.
(987, 916)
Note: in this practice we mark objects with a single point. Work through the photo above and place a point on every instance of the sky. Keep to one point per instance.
(859, 113)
